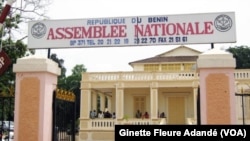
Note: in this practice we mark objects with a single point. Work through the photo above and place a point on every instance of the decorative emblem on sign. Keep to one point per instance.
(4, 62)
(38, 30)
(223, 23)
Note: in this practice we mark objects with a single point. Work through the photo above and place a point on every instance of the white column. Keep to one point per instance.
(119, 102)
(195, 103)
(154, 101)
(85, 103)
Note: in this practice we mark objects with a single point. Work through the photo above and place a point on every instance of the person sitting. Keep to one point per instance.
(92, 114)
(107, 114)
(138, 114)
(100, 114)
(95, 114)
(113, 115)
(162, 115)
(146, 115)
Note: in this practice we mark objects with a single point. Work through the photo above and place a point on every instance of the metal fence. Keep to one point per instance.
(64, 116)
(7, 118)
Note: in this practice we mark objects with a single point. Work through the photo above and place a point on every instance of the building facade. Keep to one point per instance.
(167, 84)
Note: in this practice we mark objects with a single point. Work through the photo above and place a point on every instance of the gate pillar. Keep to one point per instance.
(36, 78)
(217, 88)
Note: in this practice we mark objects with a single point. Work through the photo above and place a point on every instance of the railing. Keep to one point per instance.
(139, 121)
(109, 124)
(149, 76)
(138, 76)
(242, 74)
(102, 123)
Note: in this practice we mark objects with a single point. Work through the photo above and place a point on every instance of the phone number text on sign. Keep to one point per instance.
(160, 40)
(98, 42)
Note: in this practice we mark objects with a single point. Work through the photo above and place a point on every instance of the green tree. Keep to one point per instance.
(14, 46)
(14, 50)
(241, 55)
(60, 63)
(72, 82)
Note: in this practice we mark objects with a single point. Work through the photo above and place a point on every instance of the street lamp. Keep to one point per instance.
(242, 94)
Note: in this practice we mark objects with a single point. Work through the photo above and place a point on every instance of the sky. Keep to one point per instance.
(117, 58)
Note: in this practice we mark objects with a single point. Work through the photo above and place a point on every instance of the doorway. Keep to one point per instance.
(176, 110)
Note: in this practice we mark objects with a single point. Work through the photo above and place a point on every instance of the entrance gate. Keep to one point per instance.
(64, 127)
(198, 107)
(6, 117)
(243, 104)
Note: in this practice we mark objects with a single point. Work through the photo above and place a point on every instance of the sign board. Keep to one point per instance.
(4, 62)
(133, 31)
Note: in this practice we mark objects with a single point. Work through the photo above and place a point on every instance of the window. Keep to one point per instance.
(171, 67)
(151, 67)
(189, 66)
